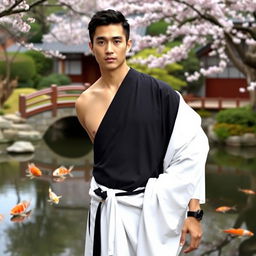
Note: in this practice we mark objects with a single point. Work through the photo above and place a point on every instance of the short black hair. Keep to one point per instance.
(108, 17)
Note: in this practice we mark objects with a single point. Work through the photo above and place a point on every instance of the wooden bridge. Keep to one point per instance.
(55, 97)
(49, 99)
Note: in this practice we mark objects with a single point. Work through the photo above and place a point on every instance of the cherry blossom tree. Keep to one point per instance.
(16, 17)
(227, 25)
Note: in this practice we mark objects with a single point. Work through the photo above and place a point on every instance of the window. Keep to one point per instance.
(73, 67)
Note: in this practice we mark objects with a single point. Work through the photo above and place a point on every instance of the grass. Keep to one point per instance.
(12, 103)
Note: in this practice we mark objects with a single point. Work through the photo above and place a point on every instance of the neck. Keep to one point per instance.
(115, 77)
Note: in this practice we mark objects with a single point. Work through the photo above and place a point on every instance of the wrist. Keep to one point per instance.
(196, 214)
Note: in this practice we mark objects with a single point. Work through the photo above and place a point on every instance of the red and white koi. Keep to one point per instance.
(33, 171)
(1, 217)
(238, 232)
(63, 171)
(247, 191)
(225, 209)
(21, 218)
(53, 198)
(20, 209)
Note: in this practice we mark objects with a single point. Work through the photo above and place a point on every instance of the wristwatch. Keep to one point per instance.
(198, 214)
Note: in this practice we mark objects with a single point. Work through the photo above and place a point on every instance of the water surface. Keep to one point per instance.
(58, 230)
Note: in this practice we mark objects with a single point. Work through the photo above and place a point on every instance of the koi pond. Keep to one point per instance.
(59, 229)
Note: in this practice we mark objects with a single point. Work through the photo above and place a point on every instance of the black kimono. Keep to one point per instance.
(149, 160)
(132, 139)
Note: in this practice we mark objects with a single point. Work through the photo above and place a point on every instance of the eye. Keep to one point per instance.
(117, 41)
(100, 42)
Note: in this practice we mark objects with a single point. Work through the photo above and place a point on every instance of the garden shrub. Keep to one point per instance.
(243, 116)
(62, 79)
(58, 79)
(204, 113)
(6, 106)
(47, 82)
(224, 130)
(23, 68)
(43, 64)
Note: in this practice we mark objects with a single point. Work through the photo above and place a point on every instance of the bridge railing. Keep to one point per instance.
(49, 99)
(215, 103)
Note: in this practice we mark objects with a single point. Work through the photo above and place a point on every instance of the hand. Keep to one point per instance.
(193, 227)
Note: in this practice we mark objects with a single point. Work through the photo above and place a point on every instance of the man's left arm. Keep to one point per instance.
(192, 226)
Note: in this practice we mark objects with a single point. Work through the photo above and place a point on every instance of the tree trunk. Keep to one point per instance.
(6, 89)
(251, 78)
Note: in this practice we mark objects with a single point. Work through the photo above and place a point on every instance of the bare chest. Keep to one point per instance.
(95, 113)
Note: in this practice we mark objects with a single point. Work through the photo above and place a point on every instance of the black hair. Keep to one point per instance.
(108, 17)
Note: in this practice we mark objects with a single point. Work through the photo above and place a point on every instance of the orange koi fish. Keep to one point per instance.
(1, 217)
(53, 198)
(21, 218)
(62, 171)
(247, 191)
(20, 208)
(33, 171)
(225, 209)
(238, 232)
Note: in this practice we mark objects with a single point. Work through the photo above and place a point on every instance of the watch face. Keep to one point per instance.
(198, 214)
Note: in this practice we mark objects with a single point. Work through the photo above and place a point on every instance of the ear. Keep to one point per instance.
(129, 45)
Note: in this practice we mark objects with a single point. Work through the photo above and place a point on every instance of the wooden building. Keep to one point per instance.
(79, 64)
(225, 84)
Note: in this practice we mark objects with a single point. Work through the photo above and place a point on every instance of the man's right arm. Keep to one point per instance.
(81, 106)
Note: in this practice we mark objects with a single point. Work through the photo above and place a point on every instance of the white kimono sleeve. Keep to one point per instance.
(166, 197)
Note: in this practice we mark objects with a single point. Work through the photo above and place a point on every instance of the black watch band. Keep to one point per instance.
(198, 214)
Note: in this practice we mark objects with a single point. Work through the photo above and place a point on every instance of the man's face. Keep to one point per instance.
(110, 46)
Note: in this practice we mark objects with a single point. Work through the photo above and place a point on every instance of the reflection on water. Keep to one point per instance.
(50, 229)
(229, 169)
(58, 230)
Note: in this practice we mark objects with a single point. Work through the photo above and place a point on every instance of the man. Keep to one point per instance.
(149, 154)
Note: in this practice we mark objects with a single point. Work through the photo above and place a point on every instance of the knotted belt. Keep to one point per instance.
(97, 228)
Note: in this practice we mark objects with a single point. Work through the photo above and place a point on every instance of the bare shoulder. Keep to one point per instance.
(86, 97)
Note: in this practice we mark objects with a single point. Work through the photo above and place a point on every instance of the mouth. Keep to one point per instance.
(110, 59)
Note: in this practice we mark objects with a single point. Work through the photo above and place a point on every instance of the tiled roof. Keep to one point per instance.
(65, 48)
(55, 46)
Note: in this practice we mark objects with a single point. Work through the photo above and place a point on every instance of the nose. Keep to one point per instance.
(109, 48)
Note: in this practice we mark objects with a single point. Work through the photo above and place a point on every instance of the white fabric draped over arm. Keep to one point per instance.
(166, 197)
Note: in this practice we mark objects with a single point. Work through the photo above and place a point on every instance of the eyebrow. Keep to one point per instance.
(104, 38)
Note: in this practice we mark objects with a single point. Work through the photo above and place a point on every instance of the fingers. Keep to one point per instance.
(183, 236)
(195, 240)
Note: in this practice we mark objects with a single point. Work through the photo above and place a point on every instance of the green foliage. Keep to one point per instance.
(190, 65)
(13, 100)
(1, 112)
(238, 161)
(165, 74)
(176, 71)
(43, 64)
(157, 28)
(35, 33)
(23, 67)
(6, 106)
(204, 113)
(62, 79)
(224, 130)
(243, 116)
(58, 79)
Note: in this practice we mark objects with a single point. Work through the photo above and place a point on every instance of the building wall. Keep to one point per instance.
(225, 87)
(80, 68)
(225, 84)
